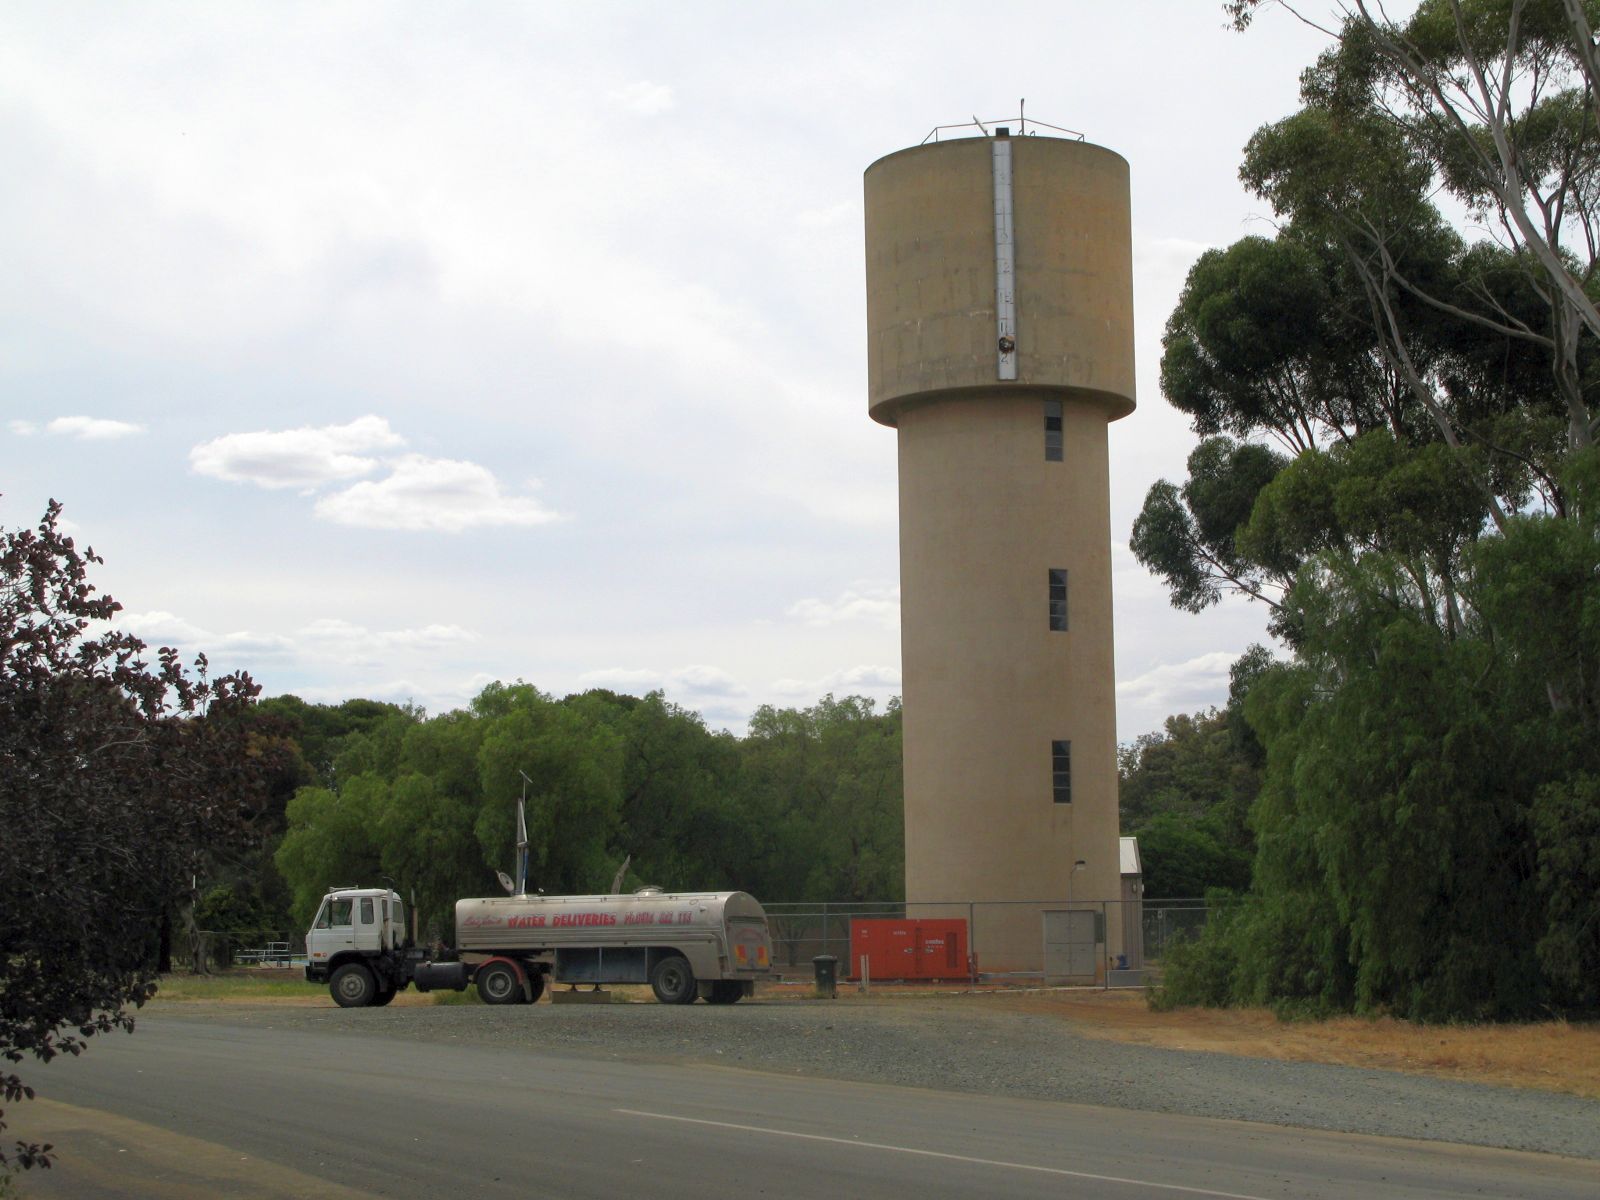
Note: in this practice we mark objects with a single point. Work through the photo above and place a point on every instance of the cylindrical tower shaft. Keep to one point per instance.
(1000, 314)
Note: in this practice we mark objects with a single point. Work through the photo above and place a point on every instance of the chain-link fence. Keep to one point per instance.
(1100, 943)
(1097, 943)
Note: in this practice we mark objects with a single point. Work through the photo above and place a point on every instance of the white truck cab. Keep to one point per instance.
(355, 925)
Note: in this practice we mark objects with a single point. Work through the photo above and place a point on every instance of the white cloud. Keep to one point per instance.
(644, 98)
(391, 691)
(161, 628)
(440, 494)
(1165, 258)
(325, 641)
(1196, 683)
(85, 429)
(878, 603)
(332, 634)
(93, 429)
(850, 681)
(707, 681)
(832, 215)
(296, 458)
(691, 682)
(620, 679)
(419, 493)
(164, 627)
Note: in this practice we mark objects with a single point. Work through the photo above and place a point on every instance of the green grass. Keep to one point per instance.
(470, 996)
(235, 985)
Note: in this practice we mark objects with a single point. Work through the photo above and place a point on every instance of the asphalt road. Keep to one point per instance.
(192, 1108)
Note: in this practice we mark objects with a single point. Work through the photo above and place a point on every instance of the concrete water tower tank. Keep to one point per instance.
(1000, 346)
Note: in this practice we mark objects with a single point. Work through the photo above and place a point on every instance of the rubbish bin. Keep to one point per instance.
(825, 970)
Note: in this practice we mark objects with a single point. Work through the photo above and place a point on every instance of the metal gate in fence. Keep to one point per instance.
(1071, 949)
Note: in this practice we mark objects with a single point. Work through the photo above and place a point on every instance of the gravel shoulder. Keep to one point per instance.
(959, 1044)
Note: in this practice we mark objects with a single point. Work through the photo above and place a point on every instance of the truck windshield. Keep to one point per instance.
(334, 912)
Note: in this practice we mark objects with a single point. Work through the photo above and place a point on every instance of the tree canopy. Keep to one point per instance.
(806, 806)
(1421, 338)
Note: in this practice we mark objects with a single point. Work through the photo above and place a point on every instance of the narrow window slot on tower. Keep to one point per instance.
(1058, 600)
(1052, 431)
(1061, 771)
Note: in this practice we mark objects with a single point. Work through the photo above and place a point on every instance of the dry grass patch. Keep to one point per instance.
(1552, 1055)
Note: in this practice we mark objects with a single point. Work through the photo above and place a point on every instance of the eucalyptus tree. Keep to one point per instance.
(1496, 103)
(1427, 819)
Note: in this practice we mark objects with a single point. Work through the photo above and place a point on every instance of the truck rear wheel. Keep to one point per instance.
(673, 981)
(498, 984)
(352, 986)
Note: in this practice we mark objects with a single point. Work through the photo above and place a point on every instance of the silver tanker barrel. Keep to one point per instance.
(684, 944)
(644, 917)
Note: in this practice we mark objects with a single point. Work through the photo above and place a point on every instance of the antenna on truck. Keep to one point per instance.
(522, 837)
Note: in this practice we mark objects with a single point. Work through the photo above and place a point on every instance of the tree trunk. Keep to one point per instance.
(164, 943)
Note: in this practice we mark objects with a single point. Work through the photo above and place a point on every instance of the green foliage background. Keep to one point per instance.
(1397, 407)
(806, 806)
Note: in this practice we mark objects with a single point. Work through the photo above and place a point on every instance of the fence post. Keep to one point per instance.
(972, 945)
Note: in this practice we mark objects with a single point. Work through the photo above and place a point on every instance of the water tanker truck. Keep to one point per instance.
(685, 945)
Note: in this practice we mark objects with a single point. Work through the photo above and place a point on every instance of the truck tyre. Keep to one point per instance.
(498, 984)
(383, 997)
(352, 986)
(535, 986)
(725, 991)
(673, 981)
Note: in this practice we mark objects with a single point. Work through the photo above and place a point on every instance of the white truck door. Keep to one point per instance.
(332, 931)
(368, 923)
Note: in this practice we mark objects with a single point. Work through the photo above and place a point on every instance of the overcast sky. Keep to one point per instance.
(386, 350)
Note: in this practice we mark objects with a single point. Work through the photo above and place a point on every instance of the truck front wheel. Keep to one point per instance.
(673, 982)
(498, 984)
(352, 986)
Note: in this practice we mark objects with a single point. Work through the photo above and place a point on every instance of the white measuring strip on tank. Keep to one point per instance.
(1005, 262)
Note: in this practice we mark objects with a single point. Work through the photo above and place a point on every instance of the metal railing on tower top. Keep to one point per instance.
(1021, 121)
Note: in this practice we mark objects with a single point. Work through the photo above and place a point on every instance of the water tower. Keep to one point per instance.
(1000, 346)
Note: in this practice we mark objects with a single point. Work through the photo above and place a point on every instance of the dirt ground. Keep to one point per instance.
(1551, 1055)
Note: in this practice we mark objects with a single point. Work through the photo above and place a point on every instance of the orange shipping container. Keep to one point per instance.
(910, 949)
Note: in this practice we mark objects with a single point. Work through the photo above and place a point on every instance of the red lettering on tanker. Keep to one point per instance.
(525, 923)
(483, 922)
(566, 919)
